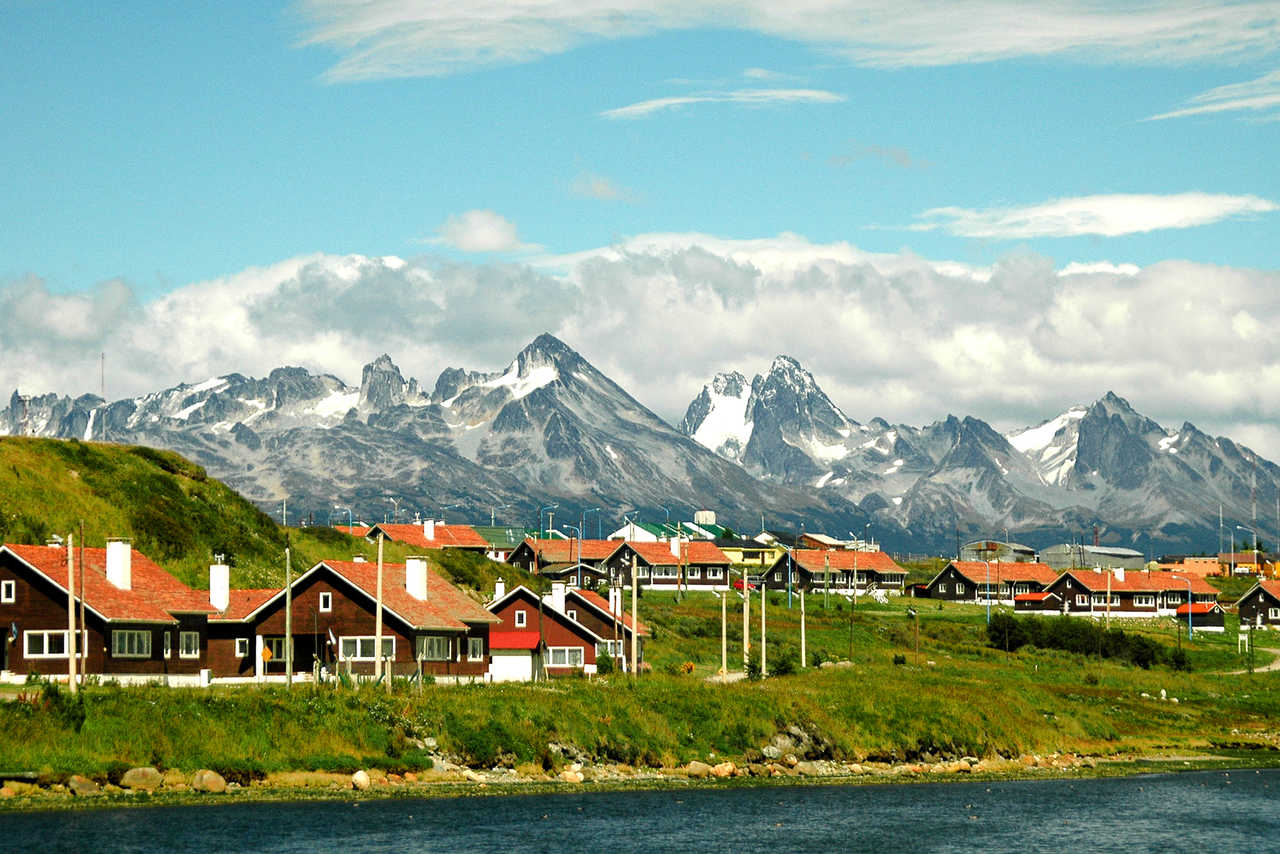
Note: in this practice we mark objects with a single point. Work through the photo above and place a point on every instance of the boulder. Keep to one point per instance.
(360, 781)
(569, 775)
(472, 776)
(771, 752)
(697, 770)
(146, 779)
(206, 780)
(6, 792)
(723, 769)
(807, 768)
(82, 786)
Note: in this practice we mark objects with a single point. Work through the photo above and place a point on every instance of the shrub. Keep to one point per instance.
(604, 664)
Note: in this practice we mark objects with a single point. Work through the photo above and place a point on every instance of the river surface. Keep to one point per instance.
(1202, 812)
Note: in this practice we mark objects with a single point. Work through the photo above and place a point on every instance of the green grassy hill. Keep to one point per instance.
(174, 513)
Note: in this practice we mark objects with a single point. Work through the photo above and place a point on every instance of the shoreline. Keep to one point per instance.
(337, 788)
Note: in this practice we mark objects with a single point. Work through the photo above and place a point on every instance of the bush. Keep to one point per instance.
(787, 662)
(604, 664)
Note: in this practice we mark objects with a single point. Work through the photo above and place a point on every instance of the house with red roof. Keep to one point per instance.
(838, 570)
(1259, 607)
(574, 560)
(428, 625)
(999, 581)
(1127, 593)
(139, 621)
(671, 564)
(431, 535)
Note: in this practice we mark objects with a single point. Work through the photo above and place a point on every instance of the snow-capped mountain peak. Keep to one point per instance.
(718, 417)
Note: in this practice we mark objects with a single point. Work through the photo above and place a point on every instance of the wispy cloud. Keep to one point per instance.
(751, 97)
(1106, 216)
(590, 186)
(408, 38)
(1255, 96)
(480, 231)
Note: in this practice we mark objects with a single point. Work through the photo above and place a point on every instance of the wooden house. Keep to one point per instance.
(690, 564)
(140, 621)
(842, 570)
(431, 535)
(1204, 616)
(1259, 607)
(427, 623)
(1120, 593)
(608, 619)
(999, 581)
(564, 646)
(539, 555)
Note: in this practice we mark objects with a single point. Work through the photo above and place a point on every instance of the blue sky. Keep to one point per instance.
(173, 145)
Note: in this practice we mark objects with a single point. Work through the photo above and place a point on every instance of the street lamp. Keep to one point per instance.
(1190, 628)
(540, 509)
(350, 523)
(578, 531)
(1257, 564)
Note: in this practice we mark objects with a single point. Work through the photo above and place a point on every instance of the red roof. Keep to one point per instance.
(844, 560)
(1034, 597)
(694, 551)
(242, 603)
(601, 604)
(1005, 571)
(513, 640)
(1199, 608)
(354, 530)
(154, 595)
(445, 536)
(1140, 581)
(566, 551)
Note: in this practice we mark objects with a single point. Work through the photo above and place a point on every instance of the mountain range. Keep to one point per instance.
(551, 429)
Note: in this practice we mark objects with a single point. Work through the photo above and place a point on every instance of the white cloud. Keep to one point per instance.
(480, 231)
(750, 97)
(591, 186)
(1257, 96)
(396, 38)
(1106, 215)
(897, 336)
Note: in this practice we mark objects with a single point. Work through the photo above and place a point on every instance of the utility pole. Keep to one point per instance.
(724, 635)
(71, 614)
(802, 646)
(635, 620)
(288, 614)
(85, 652)
(746, 621)
(764, 639)
(377, 617)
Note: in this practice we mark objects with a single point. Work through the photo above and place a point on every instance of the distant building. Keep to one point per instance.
(1078, 556)
(997, 550)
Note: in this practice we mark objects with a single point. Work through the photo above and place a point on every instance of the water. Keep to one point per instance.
(1184, 812)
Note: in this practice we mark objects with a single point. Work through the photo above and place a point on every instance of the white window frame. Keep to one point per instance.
(183, 639)
(1144, 600)
(942, 586)
(276, 645)
(521, 618)
(363, 647)
(1082, 600)
(45, 635)
(714, 573)
(570, 656)
(326, 602)
(130, 643)
(8, 591)
(611, 648)
(1273, 613)
(642, 572)
(428, 647)
(960, 588)
(475, 649)
(693, 572)
(666, 571)
(242, 647)
(572, 614)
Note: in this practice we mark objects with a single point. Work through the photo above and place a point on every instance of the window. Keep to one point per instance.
(8, 591)
(1273, 614)
(611, 648)
(942, 587)
(694, 572)
(1101, 599)
(434, 648)
(1021, 588)
(1082, 600)
(51, 644)
(188, 644)
(1144, 600)
(665, 572)
(572, 613)
(715, 572)
(326, 602)
(242, 647)
(168, 644)
(642, 572)
(131, 643)
(959, 588)
(522, 619)
(565, 656)
(276, 645)
(475, 649)
(362, 648)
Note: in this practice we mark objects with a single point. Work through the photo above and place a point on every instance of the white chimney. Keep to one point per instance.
(675, 546)
(499, 589)
(1119, 571)
(358, 559)
(615, 601)
(120, 563)
(557, 595)
(219, 586)
(415, 577)
(429, 529)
